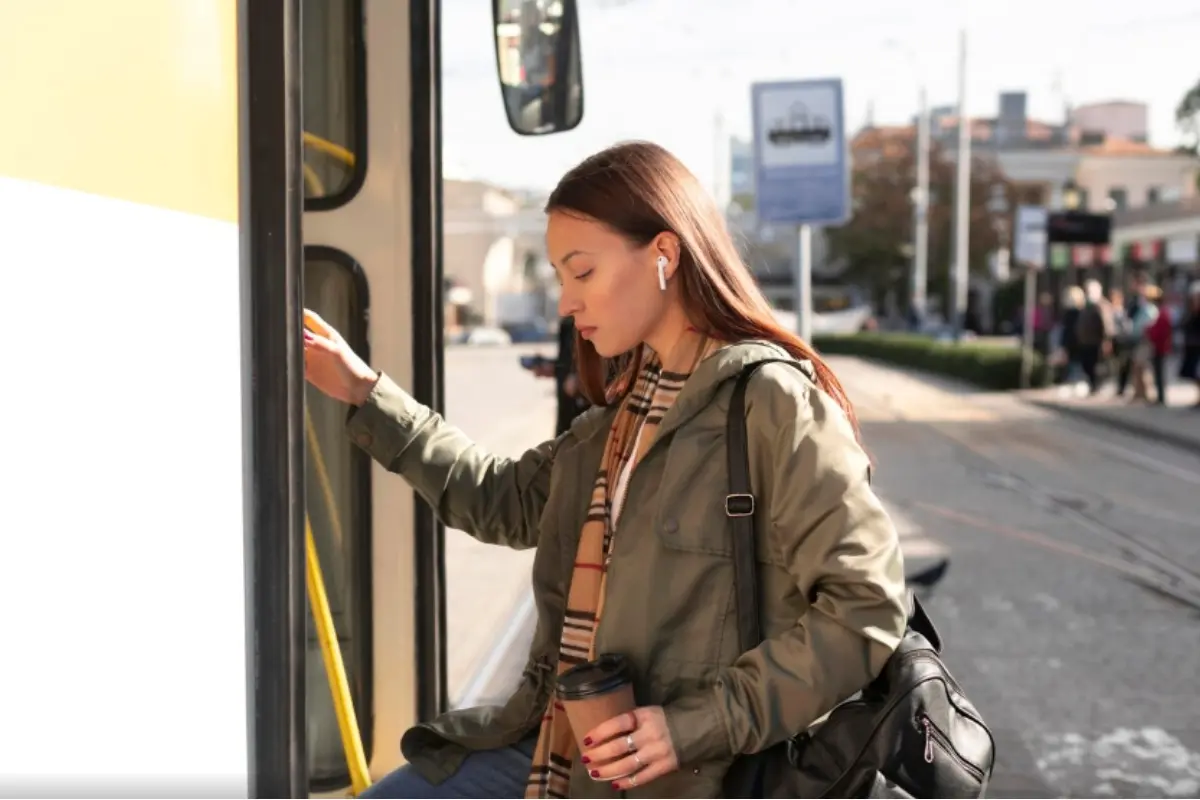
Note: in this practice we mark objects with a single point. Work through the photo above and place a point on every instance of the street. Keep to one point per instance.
(1053, 609)
(1071, 607)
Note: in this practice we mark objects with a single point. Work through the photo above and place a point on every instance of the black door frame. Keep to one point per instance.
(271, 199)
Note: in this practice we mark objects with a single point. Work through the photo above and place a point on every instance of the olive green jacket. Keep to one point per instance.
(832, 579)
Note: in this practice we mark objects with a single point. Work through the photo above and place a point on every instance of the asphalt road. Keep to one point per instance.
(1066, 543)
(1071, 608)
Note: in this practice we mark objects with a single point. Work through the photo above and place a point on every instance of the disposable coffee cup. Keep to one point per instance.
(595, 692)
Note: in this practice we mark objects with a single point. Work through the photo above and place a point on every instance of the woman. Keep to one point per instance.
(1189, 367)
(627, 511)
(1073, 300)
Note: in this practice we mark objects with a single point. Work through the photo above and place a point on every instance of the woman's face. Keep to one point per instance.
(609, 285)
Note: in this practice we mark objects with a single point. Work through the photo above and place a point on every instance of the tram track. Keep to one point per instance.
(1140, 560)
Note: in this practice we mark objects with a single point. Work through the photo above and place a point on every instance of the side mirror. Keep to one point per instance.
(538, 64)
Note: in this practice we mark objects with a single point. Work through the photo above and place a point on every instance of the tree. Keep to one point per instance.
(878, 238)
(1187, 118)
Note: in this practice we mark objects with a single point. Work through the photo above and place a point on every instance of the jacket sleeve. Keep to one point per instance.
(496, 500)
(842, 550)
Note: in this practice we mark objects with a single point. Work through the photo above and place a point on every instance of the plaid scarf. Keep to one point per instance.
(629, 438)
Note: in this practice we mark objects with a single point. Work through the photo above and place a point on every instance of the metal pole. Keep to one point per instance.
(804, 305)
(962, 195)
(721, 163)
(1027, 328)
(921, 228)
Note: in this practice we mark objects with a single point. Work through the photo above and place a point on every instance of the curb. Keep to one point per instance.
(1188, 444)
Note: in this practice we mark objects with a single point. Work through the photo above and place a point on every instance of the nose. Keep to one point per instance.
(568, 304)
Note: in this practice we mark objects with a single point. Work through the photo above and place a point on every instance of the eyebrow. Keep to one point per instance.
(567, 258)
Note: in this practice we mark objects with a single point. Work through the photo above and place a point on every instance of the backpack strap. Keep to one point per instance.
(741, 508)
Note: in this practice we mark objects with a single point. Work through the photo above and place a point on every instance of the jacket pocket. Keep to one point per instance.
(690, 503)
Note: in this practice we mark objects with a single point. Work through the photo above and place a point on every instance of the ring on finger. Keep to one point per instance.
(638, 760)
(629, 743)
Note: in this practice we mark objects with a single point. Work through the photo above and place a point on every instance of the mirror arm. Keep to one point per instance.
(563, 53)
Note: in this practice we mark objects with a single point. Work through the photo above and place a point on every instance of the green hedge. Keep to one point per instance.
(990, 366)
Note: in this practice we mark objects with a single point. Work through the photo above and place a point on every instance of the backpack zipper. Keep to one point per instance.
(932, 736)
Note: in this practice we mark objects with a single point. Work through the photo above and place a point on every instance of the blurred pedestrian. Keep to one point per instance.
(1189, 368)
(1068, 340)
(1160, 335)
(571, 400)
(1094, 333)
(1143, 317)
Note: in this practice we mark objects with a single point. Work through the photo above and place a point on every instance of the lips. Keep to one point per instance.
(586, 331)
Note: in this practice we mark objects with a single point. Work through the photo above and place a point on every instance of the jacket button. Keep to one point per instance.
(363, 439)
(670, 526)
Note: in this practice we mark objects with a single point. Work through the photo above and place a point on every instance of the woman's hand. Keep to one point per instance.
(631, 750)
(330, 364)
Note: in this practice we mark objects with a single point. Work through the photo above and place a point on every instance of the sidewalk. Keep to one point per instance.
(487, 585)
(1177, 423)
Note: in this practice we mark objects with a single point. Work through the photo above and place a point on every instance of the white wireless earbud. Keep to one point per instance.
(662, 273)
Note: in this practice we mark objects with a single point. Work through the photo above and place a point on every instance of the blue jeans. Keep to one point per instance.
(486, 773)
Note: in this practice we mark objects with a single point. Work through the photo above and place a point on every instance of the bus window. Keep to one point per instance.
(337, 496)
(333, 86)
(537, 61)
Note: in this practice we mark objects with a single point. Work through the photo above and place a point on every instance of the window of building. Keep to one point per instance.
(1119, 198)
(333, 83)
(338, 497)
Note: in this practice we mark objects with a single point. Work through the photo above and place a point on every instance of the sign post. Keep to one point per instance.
(802, 168)
(1032, 245)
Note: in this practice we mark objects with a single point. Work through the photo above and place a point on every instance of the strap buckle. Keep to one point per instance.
(739, 505)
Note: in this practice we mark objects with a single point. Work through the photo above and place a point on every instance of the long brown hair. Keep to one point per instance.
(639, 190)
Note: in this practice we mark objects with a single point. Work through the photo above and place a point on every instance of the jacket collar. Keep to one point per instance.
(700, 389)
(722, 366)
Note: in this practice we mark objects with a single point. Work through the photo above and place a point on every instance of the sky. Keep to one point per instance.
(678, 72)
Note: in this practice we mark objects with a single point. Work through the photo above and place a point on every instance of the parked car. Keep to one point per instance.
(534, 330)
(483, 336)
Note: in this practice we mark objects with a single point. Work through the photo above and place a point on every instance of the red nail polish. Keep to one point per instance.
(585, 759)
(308, 337)
(587, 742)
(595, 773)
(616, 785)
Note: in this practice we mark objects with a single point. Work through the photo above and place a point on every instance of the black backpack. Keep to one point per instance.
(911, 732)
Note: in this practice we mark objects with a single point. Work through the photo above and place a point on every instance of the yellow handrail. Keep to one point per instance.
(329, 148)
(316, 187)
(343, 703)
(314, 444)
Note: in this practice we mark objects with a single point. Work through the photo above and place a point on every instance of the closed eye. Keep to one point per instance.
(583, 275)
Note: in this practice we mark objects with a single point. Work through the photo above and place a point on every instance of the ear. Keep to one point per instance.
(666, 244)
